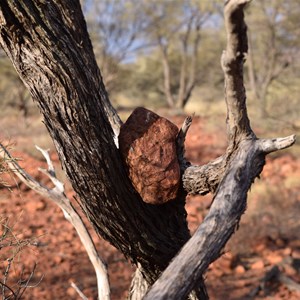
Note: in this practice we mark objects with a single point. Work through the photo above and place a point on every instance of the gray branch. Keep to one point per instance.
(230, 176)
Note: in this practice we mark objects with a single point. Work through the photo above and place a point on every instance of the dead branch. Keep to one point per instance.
(232, 62)
(58, 196)
(244, 160)
(79, 292)
(204, 179)
(180, 148)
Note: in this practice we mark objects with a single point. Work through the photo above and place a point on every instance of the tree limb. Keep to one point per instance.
(232, 61)
(180, 148)
(204, 179)
(245, 158)
(58, 196)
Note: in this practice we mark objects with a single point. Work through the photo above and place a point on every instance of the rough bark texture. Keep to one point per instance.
(50, 49)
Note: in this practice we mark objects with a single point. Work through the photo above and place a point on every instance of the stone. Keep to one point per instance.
(258, 265)
(240, 269)
(274, 258)
(296, 254)
(148, 146)
(35, 205)
(287, 251)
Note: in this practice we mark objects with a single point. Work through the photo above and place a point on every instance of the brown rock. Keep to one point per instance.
(37, 204)
(274, 258)
(260, 247)
(147, 144)
(258, 265)
(71, 292)
(296, 254)
(287, 251)
(240, 269)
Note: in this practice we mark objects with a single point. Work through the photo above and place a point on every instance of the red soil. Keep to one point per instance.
(61, 258)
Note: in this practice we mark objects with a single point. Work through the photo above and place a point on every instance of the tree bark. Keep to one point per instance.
(50, 48)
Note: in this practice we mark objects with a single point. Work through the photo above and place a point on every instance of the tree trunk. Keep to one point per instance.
(167, 78)
(50, 48)
(183, 65)
(188, 79)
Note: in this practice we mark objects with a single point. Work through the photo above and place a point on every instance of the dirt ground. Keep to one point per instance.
(262, 261)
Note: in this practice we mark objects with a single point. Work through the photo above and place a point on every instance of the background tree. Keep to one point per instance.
(166, 33)
(273, 46)
(51, 51)
(12, 90)
(116, 29)
(177, 25)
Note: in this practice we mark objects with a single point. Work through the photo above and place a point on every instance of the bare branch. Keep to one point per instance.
(58, 196)
(79, 292)
(204, 179)
(271, 145)
(205, 246)
(4, 286)
(180, 142)
(25, 285)
(7, 269)
(232, 63)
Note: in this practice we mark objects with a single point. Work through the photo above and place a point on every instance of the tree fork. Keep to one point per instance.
(49, 47)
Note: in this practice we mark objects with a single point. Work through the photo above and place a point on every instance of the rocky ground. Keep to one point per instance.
(262, 261)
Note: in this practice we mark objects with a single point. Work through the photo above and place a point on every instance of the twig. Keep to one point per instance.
(275, 274)
(24, 286)
(180, 142)
(58, 196)
(289, 282)
(6, 276)
(79, 292)
(7, 287)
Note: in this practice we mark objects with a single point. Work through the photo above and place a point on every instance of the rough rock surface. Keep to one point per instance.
(147, 144)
